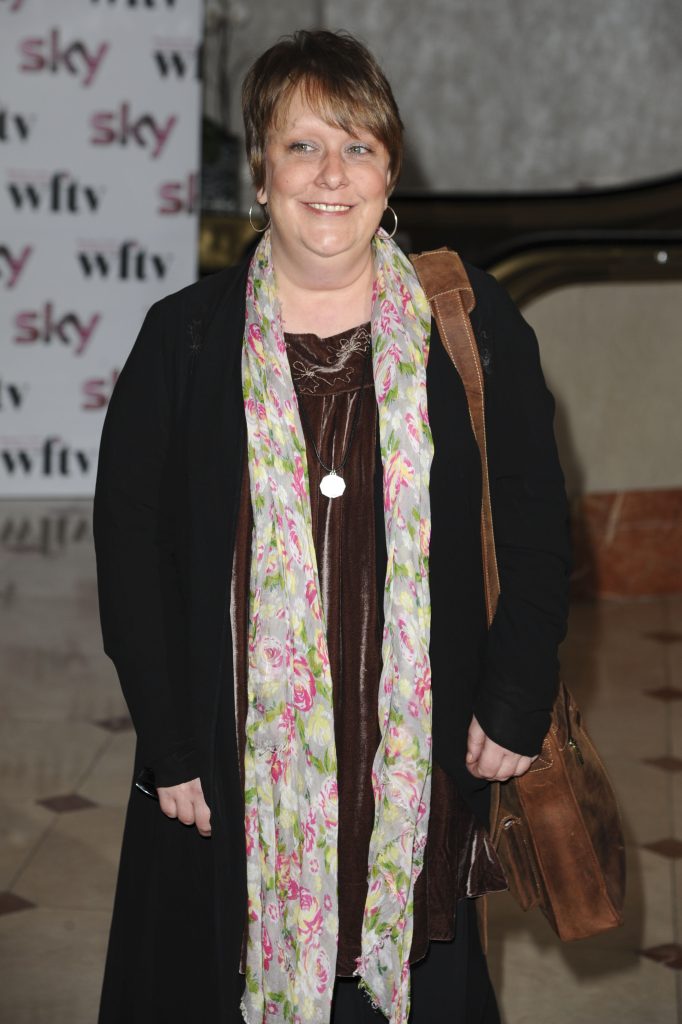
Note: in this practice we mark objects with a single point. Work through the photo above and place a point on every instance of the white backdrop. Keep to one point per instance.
(99, 154)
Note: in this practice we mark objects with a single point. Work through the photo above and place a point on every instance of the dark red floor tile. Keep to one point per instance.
(665, 636)
(671, 848)
(117, 723)
(10, 902)
(666, 764)
(665, 693)
(66, 802)
(669, 954)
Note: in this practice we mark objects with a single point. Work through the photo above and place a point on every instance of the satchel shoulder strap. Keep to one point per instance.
(446, 283)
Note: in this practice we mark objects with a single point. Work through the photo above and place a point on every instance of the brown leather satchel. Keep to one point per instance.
(556, 829)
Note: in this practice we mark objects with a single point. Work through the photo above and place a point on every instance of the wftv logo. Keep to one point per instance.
(127, 262)
(43, 325)
(117, 127)
(179, 196)
(149, 5)
(178, 58)
(98, 390)
(12, 395)
(15, 127)
(50, 54)
(49, 534)
(51, 458)
(13, 264)
(58, 193)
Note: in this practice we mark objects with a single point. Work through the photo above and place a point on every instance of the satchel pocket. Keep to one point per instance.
(511, 843)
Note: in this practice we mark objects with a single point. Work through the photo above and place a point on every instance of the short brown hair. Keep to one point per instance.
(341, 81)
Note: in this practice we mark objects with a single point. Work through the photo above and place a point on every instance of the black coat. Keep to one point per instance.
(165, 515)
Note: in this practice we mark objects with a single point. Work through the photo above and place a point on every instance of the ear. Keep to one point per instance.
(262, 196)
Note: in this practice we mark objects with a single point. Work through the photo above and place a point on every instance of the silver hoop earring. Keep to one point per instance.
(395, 218)
(267, 223)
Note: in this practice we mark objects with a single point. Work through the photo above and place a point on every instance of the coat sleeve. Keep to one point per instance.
(141, 604)
(530, 515)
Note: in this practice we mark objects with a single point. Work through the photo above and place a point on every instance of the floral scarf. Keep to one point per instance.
(291, 797)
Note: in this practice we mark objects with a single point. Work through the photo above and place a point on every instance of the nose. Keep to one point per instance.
(332, 172)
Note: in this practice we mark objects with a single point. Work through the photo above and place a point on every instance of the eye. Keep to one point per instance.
(301, 147)
(359, 149)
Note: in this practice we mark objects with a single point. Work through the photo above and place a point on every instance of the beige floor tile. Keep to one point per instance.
(110, 780)
(605, 620)
(52, 965)
(674, 710)
(22, 825)
(674, 612)
(620, 673)
(643, 797)
(61, 623)
(590, 618)
(42, 685)
(608, 626)
(65, 576)
(648, 916)
(673, 651)
(603, 678)
(571, 985)
(675, 783)
(39, 658)
(614, 671)
(41, 759)
(76, 864)
(635, 726)
(54, 679)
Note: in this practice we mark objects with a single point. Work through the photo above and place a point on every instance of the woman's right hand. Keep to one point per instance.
(186, 803)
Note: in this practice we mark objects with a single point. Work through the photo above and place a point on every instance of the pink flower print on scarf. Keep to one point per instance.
(291, 789)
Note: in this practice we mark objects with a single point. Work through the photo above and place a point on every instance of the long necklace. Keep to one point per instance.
(333, 485)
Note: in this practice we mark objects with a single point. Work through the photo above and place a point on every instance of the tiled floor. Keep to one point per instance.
(65, 765)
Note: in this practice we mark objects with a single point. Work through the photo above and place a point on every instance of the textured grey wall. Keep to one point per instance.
(505, 94)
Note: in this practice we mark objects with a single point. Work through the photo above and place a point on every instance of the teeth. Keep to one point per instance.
(328, 207)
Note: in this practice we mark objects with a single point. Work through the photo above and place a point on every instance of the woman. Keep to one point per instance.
(289, 558)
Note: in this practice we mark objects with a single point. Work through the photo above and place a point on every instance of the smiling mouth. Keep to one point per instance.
(329, 207)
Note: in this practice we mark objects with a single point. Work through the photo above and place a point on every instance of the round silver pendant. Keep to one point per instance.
(332, 485)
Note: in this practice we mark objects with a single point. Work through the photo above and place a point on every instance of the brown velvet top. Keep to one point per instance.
(327, 375)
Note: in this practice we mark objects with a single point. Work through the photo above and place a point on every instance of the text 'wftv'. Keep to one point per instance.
(99, 198)
(14, 6)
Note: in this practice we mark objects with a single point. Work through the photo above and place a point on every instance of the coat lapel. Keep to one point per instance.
(216, 441)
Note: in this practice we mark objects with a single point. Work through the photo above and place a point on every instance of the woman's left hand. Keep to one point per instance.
(488, 760)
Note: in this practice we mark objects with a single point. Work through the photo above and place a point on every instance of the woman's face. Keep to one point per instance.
(326, 190)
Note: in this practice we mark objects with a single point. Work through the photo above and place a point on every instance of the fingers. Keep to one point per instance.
(475, 741)
(202, 817)
(496, 764)
(523, 766)
(487, 760)
(493, 768)
(185, 806)
(186, 803)
(167, 803)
